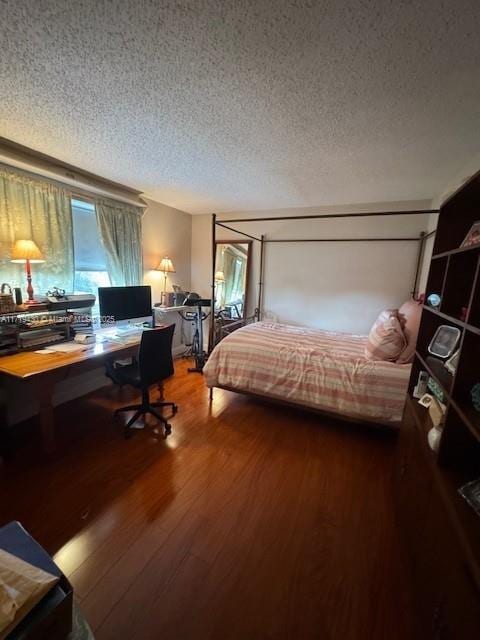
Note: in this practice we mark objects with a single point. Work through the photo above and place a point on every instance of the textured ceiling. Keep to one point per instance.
(248, 104)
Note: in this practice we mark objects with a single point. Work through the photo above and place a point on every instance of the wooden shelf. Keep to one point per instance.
(465, 519)
(445, 316)
(449, 481)
(460, 323)
(472, 329)
(439, 378)
(424, 424)
(469, 416)
(442, 531)
(453, 252)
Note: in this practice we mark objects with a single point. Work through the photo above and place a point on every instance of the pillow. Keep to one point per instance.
(385, 340)
(409, 314)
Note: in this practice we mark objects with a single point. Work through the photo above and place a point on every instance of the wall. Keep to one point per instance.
(165, 231)
(340, 286)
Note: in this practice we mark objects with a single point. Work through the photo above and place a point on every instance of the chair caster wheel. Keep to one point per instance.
(168, 429)
(174, 409)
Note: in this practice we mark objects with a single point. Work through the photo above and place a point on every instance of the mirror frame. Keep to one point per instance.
(247, 274)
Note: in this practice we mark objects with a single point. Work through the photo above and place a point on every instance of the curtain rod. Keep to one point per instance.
(345, 240)
(336, 215)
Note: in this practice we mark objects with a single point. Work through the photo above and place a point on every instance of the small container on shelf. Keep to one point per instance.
(444, 341)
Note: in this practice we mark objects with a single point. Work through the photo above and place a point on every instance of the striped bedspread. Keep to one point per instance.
(318, 369)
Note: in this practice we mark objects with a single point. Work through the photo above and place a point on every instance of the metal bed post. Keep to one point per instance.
(260, 280)
(211, 338)
(421, 248)
(321, 216)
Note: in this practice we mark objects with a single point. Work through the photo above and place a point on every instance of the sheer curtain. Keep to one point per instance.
(37, 210)
(229, 260)
(120, 227)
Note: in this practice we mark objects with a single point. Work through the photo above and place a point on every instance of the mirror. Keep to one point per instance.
(231, 278)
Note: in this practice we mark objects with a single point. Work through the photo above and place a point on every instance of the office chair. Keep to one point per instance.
(154, 365)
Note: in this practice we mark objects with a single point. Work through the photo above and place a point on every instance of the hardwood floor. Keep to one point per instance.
(250, 521)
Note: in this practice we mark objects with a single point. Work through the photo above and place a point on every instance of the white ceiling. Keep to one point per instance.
(248, 104)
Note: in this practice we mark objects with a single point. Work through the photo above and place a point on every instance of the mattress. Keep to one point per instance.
(311, 368)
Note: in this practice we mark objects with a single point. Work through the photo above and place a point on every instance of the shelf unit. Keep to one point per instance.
(441, 530)
(30, 330)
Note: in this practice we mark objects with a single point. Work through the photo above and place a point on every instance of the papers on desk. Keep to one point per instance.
(126, 339)
(67, 347)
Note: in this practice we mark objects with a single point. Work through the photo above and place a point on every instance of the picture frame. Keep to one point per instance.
(473, 236)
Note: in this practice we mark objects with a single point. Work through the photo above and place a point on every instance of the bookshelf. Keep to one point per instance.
(441, 530)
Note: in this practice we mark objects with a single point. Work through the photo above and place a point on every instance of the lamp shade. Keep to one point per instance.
(219, 276)
(24, 250)
(166, 265)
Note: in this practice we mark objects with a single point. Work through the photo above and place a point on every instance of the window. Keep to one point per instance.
(238, 283)
(90, 263)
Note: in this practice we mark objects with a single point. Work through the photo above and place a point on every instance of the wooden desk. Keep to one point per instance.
(41, 372)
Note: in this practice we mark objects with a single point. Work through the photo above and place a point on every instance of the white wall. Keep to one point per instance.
(340, 286)
(165, 231)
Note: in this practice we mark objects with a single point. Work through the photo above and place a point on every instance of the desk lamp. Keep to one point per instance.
(166, 266)
(26, 252)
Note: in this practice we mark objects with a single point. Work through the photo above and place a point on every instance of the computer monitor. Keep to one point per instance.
(124, 303)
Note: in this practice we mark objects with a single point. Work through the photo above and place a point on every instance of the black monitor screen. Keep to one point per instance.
(124, 303)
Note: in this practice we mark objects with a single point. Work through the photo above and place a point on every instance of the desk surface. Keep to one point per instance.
(170, 309)
(28, 363)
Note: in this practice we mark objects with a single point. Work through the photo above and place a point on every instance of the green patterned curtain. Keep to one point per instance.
(120, 227)
(37, 210)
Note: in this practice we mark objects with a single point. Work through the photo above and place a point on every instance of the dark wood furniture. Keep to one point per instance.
(441, 530)
(41, 372)
(51, 618)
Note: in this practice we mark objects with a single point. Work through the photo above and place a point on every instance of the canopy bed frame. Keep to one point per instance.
(326, 372)
(263, 240)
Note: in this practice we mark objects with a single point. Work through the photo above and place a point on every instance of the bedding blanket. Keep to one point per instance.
(323, 370)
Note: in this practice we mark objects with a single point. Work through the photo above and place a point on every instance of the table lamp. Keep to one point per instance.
(219, 276)
(26, 252)
(166, 266)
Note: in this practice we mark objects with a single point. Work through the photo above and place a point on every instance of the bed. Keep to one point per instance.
(320, 370)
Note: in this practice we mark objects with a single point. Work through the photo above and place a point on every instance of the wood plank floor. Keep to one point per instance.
(250, 521)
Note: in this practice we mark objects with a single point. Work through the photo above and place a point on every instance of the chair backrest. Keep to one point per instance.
(155, 360)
